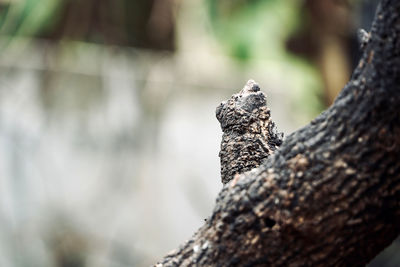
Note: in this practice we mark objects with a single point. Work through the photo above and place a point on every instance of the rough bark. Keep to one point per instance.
(330, 195)
(249, 135)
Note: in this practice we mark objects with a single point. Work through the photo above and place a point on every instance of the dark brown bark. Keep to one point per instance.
(330, 195)
(249, 135)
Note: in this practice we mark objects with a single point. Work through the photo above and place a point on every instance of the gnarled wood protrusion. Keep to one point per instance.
(249, 135)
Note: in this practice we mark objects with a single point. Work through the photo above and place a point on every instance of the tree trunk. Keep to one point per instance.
(330, 195)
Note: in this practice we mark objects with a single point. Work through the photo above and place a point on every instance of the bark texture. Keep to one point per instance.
(330, 195)
(249, 135)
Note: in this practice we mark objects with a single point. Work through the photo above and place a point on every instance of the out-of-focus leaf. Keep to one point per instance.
(27, 17)
(252, 27)
(40, 15)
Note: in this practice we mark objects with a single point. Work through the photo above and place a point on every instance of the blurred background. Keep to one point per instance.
(108, 138)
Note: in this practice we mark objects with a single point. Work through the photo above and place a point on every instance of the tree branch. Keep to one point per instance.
(330, 194)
